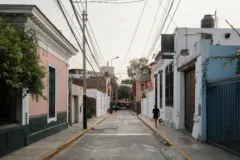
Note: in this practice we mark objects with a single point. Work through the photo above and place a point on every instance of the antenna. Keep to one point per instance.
(216, 19)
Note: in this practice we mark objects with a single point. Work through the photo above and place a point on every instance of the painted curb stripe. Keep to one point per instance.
(166, 138)
(71, 140)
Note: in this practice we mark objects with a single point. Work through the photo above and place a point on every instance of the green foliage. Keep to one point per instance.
(230, 61)
(138, 64)
(114, 84)
(124, 92)
(143, 95)
(127, 81)
(19, 61)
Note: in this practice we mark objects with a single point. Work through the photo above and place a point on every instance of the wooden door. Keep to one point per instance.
(189, 99)
(76, 112)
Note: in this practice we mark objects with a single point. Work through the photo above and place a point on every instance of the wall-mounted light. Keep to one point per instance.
(184, 52)
(167, 56)
(227, 35)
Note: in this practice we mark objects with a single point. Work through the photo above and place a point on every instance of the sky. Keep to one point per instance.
(114, 24)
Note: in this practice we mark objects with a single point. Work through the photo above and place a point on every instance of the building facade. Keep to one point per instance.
(177, 85)
(37, 120)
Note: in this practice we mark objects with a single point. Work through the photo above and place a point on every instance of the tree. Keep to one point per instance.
(20, 67)
(138, 64)
(127, 81)
(124, 92)
(114, 84)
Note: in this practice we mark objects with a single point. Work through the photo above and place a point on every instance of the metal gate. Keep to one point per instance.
(189, 99)
(223, 114)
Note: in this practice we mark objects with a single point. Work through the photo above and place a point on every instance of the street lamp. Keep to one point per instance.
(113, 59)
(113, 75)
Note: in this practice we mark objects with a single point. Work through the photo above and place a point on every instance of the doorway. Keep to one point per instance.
(76, 112)
(189, 99)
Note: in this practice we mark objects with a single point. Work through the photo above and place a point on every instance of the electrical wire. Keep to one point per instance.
(160, 31)
(165, 10)
(134, 33)
(78, 20)
(114, 2)
(173, 15)
(151, 28)
(92, 33)
(62, 11)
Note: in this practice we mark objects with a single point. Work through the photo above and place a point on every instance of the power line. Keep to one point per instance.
(162, 27)
(61, 9)
(173, 15)
(114, 2)
(160, 31)
(164, 24)
(78, 20)
(134, 33)
(165, 10)
(103, 62)
(152, 28)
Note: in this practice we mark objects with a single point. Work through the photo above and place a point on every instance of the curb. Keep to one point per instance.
(71, 140)
(166, 138)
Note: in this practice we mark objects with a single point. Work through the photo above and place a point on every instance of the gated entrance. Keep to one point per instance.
(223, 114)
(189, 98)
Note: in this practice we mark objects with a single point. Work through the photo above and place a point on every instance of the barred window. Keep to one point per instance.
(160, 88)
(156, 88)
(52, 89)
(142, 87)
(169, 85)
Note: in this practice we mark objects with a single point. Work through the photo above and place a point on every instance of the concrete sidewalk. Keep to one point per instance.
(37, 150)
(188, 146)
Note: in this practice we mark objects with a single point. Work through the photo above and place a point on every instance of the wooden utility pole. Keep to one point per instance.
(84, 15)
(70, 102)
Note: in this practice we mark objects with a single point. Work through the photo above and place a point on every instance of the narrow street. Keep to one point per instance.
(120, 137)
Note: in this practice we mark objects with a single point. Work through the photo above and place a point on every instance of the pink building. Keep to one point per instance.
(31, 120)
(143, 83)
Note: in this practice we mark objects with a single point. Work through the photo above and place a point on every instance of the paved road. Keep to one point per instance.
(120, 137)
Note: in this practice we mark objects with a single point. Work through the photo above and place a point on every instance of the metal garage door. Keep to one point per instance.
(223, 114)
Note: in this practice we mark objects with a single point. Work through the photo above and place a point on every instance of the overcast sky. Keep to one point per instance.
(114, 24)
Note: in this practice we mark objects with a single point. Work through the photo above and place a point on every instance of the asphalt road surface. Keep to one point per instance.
(120, 137)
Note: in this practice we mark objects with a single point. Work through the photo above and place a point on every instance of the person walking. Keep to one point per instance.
(156, 114)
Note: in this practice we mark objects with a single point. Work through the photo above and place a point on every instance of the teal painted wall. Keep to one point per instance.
(19, 136)
(215, 71)
(38, 127)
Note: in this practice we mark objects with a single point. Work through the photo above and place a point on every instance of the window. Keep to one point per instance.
(156, 88)
(142, 87)
(169, 85)
(52, 94)
(160, 88)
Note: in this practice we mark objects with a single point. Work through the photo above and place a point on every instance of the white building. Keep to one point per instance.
(177, 81)
(187, 70)
(76, 106)
(102, 101)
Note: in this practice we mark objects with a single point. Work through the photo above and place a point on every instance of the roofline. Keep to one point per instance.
(35, 11)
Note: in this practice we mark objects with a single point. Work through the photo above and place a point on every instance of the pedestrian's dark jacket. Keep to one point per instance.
(155, 113)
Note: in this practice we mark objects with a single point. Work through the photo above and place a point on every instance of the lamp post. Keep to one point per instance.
(113, 59)
(113, 76)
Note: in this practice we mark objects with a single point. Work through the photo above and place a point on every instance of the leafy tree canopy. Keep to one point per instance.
(138, 64)
(19, 62)
(127, 81)
(124, 92)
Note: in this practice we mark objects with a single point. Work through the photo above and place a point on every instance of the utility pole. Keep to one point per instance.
(84, 15)
(70, 102)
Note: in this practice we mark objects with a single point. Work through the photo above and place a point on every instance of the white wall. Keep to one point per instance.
(166, 112)
(102, 101)
(195, 54)
(144, 106)
(77, 91)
